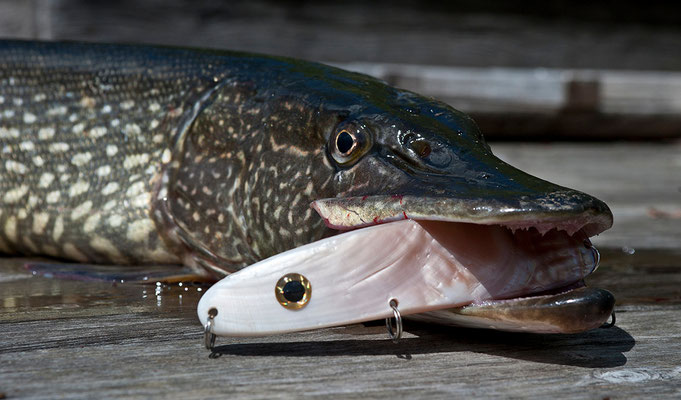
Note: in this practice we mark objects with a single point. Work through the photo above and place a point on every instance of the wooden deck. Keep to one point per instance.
(550, 71)
(82, 340)
(533, 69)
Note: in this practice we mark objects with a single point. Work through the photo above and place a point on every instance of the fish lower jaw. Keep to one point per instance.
(571, 309)
(534, 295)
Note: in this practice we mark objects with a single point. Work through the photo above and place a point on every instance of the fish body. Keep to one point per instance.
(88, 133)
(121, 154)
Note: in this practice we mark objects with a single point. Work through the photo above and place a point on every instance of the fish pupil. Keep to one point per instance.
(344, 142)
(294, 291)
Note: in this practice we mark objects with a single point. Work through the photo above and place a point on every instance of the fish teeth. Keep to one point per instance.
(543, 229)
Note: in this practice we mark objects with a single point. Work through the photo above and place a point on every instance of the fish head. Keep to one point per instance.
(401, 155)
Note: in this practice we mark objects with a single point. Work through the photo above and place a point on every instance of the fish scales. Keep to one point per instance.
(86, 131)
(86, 126)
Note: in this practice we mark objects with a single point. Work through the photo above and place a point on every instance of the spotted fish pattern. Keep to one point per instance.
(134, 154)
(83, 134)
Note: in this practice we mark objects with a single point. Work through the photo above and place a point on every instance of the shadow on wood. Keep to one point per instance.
(600, 348)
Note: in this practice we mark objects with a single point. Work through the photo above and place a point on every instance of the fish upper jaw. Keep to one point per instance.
(567, 210)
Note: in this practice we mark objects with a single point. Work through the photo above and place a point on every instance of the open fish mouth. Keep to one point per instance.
(462, 265)
(548, 234)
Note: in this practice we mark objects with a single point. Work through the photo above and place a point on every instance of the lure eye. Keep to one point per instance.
(348, 143)
(293, 291)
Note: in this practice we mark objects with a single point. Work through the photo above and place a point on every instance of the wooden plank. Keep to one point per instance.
(548, 103)
(472, 34)
(17, 19)
(539, 90)
(156, 351)
(80, 339)
(437, 33)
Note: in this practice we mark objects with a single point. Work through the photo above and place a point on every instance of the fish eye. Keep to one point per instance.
(293, 291)
(348, 143)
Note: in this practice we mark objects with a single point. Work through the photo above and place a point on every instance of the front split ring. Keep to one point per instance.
(395, 334)
(596, 254)
(208, 335)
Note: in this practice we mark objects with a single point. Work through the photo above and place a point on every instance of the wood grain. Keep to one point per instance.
(545, 70)
(435, 33)
(548, 103)
(79, 340)
(528, 34)
(147, 352)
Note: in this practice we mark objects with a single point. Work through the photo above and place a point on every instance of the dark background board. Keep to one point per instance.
(568, 84)
(554, 34)
(538, 46)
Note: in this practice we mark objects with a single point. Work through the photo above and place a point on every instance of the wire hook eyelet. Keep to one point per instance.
(395, 334)
(208, 335)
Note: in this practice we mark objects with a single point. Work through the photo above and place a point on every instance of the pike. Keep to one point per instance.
(345, 195)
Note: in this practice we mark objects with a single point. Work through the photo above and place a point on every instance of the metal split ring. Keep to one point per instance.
(396, 334)
(596, 254)
(208, 335)
(611, 323)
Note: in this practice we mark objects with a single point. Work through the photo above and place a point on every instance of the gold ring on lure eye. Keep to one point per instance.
(293, 291)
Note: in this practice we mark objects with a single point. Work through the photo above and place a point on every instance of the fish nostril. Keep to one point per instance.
(421, 148)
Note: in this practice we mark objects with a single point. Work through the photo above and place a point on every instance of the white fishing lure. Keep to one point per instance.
(422, 265)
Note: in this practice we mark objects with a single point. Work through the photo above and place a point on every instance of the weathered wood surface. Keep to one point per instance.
(83, 340)
(556, 34)
(548, 103)
(523, 70)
